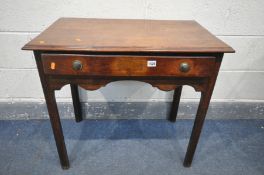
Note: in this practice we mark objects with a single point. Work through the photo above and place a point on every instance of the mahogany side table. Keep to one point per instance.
(93, 52)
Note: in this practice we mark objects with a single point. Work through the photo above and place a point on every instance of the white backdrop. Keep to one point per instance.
(240, 23)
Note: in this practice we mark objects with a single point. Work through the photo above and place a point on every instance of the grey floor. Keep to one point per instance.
(149, 147)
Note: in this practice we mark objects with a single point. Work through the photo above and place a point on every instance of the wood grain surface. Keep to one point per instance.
(101, 65)
(123, 35)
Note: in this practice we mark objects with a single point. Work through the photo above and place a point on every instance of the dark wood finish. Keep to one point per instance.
(201, 113)
(101, 65)
(121, 35)
(76, 103)
(91, 53)
(53, 114)
(94, 83)
(175, 104)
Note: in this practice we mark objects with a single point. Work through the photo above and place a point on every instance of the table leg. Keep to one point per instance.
(53, 114)
(76, 103)
(56, 127)
(175, 104)
(201, 113)
(197, 127)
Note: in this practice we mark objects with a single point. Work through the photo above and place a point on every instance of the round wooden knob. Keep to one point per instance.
(77, 65)
(184, 67)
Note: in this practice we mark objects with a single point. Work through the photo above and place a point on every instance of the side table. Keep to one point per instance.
(93, 52)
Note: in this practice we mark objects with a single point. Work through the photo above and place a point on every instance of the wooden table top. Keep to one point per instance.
(126, 35)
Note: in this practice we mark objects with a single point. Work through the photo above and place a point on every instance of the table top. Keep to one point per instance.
(127, 35)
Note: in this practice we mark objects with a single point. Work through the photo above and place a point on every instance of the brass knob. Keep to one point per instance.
(77, 65)
(184, 67)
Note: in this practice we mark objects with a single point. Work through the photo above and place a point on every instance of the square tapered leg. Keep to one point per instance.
(175, 104)
(76, 103)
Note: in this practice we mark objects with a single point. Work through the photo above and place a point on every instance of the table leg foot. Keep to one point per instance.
(187, 164)
(64, 167)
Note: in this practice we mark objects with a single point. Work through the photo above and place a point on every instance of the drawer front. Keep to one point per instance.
(101, 65)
